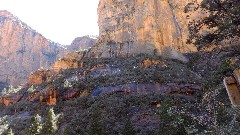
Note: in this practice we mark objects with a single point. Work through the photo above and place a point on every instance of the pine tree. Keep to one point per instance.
(31, 89)
(36, 127)
(11, 89)
(49, 126)
(10, 132)
(223, 21)
(96, 125)
(128, 129)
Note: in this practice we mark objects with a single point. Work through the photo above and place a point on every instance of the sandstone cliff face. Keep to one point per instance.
(143, 26)
(23, 50)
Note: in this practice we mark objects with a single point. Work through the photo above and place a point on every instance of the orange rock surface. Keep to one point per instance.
(12, 99)
(148, 63)
(65, 63)
(232, 86)
(40, 76)
(51, 97)
(143, 26)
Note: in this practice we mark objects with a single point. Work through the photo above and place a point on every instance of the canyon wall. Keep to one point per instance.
(23, 50)
(143, 26)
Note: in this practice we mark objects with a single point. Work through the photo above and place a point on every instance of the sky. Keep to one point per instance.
(58, 20)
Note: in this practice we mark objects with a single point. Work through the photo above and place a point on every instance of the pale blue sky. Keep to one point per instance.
(58, 20)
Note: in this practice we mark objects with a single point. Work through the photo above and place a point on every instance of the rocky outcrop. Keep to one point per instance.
(40, 76)
(64, 63)
(148, 63)
(81, 43)
(232, 86)
(70, 61)
(48, 95)
(10, 99)
(51, 98)
(23, 50)
(143, 26)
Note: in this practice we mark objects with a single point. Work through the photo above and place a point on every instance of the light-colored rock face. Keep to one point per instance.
(81, 43)
(143, 26)
(23, 50)
(231, 86)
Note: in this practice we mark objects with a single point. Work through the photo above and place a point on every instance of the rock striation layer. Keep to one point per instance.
(143, 26)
